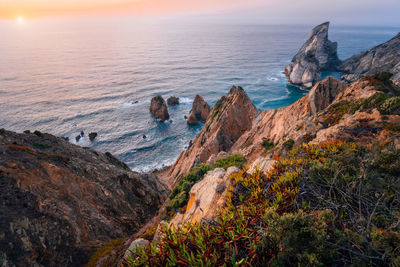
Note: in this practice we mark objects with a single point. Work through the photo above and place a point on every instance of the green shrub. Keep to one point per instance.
(2, 131)
(332, 204)
(391, 106)
(37, 133)
(27, 131)
(41, 145)
(288, 145)
(267, 144)
(234, 160)
(383, 76)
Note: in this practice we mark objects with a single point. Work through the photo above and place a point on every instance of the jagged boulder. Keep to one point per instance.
(384, 57)
(318, 53)
(158, 108)
(173, 101)
(200, 111)
(60, 202)
(231, 116)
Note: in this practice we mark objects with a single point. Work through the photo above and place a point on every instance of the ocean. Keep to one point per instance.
(70, 75)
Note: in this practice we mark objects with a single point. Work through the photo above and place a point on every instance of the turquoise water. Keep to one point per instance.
(65, 76)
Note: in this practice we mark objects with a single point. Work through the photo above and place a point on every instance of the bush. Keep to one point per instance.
(2, 131)
(333, 204)
(288, 145)
(391, 106)
(383, 76)
(234, 160)
(41, 145)
(37, 133)
(27, 131)
(267, 144)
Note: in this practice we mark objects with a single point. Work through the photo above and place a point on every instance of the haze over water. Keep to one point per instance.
(65, 76)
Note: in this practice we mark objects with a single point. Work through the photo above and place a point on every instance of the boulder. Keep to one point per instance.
(158, 108)
(206, 197)
(173, 101)
(317, 54)
(384, 57)
(77, 138)
(200, 111)
(92, 136)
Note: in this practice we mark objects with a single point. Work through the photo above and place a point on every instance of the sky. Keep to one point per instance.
(354, 12)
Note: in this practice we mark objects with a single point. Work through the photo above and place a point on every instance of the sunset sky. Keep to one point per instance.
(382, 12)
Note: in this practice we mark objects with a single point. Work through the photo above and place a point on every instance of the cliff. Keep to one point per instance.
(316, 190)
(231, 116)
(317, 54)
(384, 57)
(60, 202)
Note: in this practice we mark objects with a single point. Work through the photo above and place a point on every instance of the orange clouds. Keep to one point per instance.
(35, 8)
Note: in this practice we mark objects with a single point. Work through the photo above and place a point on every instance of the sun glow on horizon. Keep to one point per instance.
(20, 19)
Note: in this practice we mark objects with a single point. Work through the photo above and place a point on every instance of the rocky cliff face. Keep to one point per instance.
(384, 57)
(317, 53)
(231, 116)
(59, 202)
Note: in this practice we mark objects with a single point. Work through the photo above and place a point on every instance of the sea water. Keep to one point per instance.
(98, 75)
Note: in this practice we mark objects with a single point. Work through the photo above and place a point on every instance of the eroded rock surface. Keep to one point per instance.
(384, 57)
(317, 54)
(60, 202)
(231, 116)
(200, 111)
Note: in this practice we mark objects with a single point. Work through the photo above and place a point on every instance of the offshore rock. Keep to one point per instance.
(317, 54)
(200, 111)
(60, 202)
(158, 108)
(173, 101)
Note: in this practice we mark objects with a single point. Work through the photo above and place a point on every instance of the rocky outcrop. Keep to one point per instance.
(200, 111)
(140, 242)
(231, 116)
(173, 101)
(92, 136)
(60, 202)
(158, 108)
(206, 197)
(384, 57)
(323, 94)
(317, 54)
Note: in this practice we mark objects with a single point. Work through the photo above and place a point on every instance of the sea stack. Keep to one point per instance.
(200, 111)
(158, 108)
(317, 54)
(173, 101)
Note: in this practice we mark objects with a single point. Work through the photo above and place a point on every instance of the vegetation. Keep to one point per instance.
(234, 160)
(27, 131)
(288, 145)
(267, 144)
(2, 131)
(336, 203)
(37, 133)
(105, 251)
(180, 194)
(384, 103)
(383, 76)
(41, 145)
